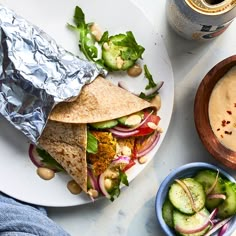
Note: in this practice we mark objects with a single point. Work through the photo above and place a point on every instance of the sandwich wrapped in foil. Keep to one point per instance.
(36, 74)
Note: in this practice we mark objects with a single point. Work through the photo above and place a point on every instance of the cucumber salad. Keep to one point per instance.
(200, 205)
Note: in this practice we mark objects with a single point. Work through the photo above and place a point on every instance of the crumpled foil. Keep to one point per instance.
(36, 74)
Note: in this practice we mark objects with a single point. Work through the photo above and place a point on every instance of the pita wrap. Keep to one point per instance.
(100, 100)
(66, 143)
(65, 135)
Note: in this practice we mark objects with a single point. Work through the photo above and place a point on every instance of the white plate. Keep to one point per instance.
(18, 176)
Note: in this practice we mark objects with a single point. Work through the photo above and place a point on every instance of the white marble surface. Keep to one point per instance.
(133, 212)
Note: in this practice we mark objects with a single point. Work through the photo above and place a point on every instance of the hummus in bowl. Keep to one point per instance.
(215, 111)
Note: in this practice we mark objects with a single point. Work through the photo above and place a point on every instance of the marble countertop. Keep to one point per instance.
(133, 213)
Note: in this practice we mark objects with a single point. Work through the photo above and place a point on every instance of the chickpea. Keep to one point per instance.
(93, 193)
(45, 173)
(142, 160)
(119, 62)
(96, 31)
(73, 187)
(108, 183)
(152, 125)
(134, 71)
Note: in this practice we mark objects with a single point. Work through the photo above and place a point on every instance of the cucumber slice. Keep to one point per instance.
(191, 222)
(131, 120)
(104, 124)
(181, 200)
(228, 207)
(167, 212)
(112, 52)
(207, 179)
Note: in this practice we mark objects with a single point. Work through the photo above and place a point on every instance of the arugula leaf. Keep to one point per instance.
(151, 83)
(124, 178)
(86, 39)
(134, 50)
(147, 97)
(79, 18)
(104, 38)
(48, 160)
(92, 143)
(115, 191)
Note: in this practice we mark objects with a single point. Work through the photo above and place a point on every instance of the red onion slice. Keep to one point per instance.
(192, 231)
(34, 157)
(218, 226)
(202, 227)
(223, 229)
(122, 134)
(121, 160)
(123, 84)
(101, 182)
(216, 196)
(214, 183)
(149, 147)
(155, 89)
(93, 180)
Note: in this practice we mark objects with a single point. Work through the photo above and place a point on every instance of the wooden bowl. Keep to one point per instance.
(224, 155)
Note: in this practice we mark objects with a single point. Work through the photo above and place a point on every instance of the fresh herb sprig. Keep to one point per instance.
(134, 50)
(148, 75)
(86, 39)
(115, 191)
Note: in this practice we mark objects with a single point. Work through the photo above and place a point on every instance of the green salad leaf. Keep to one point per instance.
(92, 143)
(148, 75)
(86, 39)
(115, 191)
(134, 50)
(48, 160)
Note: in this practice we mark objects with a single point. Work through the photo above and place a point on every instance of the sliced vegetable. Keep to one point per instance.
(218, 226)
(228, 207)
(167, 212)
(104, 124)
(131, 120)
(149, 126)
(92, 181)
(188, 197)
(122, 134)
(147, 145)
(196, 224)
(34, 157)
(213, 185)
(202, 221)
(125, 129)
(121, 51)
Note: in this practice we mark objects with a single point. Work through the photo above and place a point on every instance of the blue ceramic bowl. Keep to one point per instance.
(187, 170)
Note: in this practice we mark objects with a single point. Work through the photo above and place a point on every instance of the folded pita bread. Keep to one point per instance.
(66, 143)
(100, 100)
(65, 135)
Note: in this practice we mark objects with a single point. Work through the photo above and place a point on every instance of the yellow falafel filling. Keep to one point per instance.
(107, 150)
(105, 154)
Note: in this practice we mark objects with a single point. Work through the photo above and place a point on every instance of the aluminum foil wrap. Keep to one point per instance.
(36, 74)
